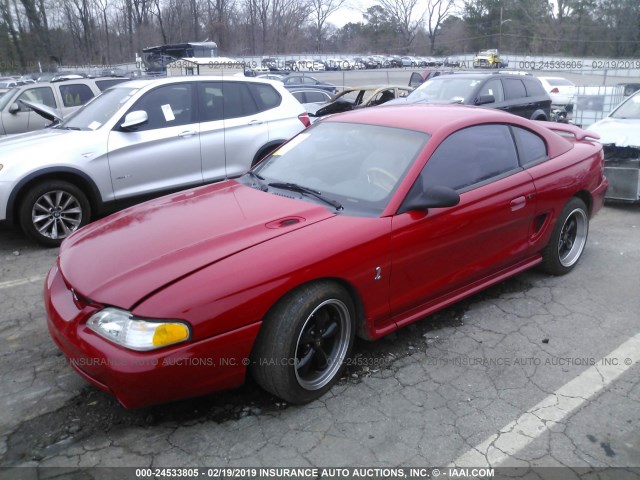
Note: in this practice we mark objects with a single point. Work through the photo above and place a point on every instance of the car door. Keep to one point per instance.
(233, 128)
(515, 96)
(25, 119)
(163, 153)
(444, 249)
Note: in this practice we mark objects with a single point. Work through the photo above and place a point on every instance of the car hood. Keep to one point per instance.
(622, 132)
(45, 112)
(46, 142)
(121, 259)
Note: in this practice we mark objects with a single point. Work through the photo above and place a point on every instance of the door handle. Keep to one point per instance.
(256, 122)
(518, 203)
(187, 133)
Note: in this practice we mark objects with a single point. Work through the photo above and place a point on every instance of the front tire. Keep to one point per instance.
(301, 349)
(51, 211)
(568, 239)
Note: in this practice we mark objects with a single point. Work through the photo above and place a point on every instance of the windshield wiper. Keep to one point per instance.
(299, 188)
(69, 128)
(255, 175)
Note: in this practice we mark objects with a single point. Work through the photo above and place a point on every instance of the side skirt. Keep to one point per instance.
(455, 296)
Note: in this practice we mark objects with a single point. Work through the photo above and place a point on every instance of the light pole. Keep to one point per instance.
(500, 36)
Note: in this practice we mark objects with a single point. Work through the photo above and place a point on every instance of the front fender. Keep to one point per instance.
(239, 290)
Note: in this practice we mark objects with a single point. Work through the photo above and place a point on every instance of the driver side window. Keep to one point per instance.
(167, 106)
(470, 157)
(42, 95)
(493, 87)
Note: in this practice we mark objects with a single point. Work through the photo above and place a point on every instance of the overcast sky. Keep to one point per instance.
(353, 12)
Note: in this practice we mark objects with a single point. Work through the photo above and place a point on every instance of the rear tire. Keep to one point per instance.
(51, 211)
(301, 349)
(568, 239)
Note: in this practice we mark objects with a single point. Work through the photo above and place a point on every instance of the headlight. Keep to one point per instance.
(123, 328)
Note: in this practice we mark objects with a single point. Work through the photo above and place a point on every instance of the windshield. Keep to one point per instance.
(628, 109)
(5, 98)
(359, 166)
(444, 89)
(99, 110)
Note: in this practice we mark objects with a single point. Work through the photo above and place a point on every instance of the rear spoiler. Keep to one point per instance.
(565, 128)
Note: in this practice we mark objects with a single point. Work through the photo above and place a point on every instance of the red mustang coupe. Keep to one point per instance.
(360, 225)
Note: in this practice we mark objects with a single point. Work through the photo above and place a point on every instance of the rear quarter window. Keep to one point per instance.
(513, 88)
(534, 87)
(265, 96)
(531, 148)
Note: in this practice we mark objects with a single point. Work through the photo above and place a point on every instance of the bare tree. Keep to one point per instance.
(287, 18)
(36, 16)
(321, 10)
(7, 17)
(157, 11)
(437, 11)
(103, 7)
(404, 13)
(252, 23)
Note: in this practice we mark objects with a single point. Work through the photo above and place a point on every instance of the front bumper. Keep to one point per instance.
(139, 379)
(5, 189)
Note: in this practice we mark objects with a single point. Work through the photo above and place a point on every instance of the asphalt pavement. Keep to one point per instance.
(536, 371)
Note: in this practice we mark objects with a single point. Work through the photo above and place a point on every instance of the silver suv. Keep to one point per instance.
(63, 97)
(139, 140)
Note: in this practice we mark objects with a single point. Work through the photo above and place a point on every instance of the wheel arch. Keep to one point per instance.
(71, 175)
(539, 115)
(585, 196)
(267, 148)
(360, 323)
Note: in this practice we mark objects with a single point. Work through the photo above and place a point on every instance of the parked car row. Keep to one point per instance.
(297, 81)
(351, 63)
(90, 175)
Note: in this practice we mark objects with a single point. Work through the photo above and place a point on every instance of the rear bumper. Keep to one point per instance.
(598, 195)
(139, 379)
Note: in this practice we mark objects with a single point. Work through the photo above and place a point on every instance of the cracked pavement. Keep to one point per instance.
(431, 394)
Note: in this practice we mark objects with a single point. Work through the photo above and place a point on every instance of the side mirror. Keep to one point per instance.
(484, 99)
(433, 197)
(14, 108)
(134, 119)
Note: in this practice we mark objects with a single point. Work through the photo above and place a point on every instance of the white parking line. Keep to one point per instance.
(530, 425)
(21, 281)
